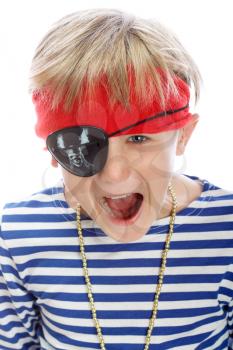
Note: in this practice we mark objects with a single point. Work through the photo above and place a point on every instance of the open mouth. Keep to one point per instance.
(124, 207)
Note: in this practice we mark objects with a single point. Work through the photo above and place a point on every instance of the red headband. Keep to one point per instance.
(98, 113)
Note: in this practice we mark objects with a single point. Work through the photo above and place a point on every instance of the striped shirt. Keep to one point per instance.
(43, 297)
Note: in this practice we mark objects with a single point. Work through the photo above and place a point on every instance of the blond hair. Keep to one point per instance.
(83, 46)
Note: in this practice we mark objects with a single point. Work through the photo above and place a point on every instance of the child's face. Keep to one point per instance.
(135, 164)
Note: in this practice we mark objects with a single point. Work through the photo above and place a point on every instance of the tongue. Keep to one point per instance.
(122, 203)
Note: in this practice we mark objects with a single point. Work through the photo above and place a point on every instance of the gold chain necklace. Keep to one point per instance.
(160, 279)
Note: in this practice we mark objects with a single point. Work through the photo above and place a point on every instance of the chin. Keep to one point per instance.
(129, 238)
(124, 234)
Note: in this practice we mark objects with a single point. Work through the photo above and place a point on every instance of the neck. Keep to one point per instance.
(186, 190)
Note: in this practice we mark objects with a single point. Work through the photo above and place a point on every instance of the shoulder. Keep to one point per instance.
(218, 196)
(211, 210)
(212, 191)
(38, 210)
(216, 204)
(42, 198)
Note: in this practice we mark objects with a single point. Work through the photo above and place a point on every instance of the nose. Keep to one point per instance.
(117, 166)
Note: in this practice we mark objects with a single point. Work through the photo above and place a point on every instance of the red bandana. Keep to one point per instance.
(98, 113)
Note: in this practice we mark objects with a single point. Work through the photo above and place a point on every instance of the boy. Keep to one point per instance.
(123, 253)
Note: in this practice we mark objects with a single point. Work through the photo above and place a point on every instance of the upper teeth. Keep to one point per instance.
(121, 196)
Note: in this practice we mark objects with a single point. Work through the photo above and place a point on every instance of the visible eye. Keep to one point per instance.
(138, 138)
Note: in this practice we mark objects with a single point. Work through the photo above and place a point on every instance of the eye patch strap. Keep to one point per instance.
(162, 114)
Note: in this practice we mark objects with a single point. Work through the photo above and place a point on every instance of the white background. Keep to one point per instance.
(204, 27)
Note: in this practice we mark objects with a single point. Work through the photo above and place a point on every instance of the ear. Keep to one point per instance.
(54, 163)
(185, 134)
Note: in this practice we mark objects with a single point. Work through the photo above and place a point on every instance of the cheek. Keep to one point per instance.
(75, 185)
(157, 162)
(162, 162)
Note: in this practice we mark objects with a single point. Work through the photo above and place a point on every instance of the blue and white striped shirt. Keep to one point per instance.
(43, 296)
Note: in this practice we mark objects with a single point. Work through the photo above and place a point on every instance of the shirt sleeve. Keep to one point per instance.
(230, 324)
(19, 316)
(226, 297)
